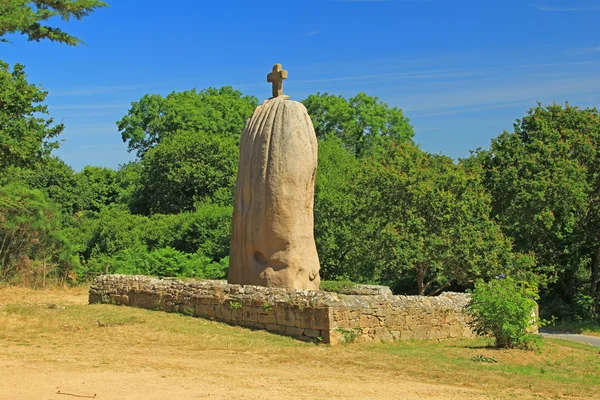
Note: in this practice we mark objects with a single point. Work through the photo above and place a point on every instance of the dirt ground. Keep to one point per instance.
(55, 346)
(215, 376)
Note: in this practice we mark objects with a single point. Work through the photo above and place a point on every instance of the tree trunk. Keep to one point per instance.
(595, 272)
(420, 281)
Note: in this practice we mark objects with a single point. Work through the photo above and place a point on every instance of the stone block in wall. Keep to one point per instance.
(396, 320)
(312, 333)
(314, 318)
(275, 328)
(294, 331)
(407, 335)
(237, 314)
(369, 321)
(121, 300)
(223, 312)
(455, 331)
(95, 298)
(186, 309)
(285, 315)
(421, 332)
(266, 317)
(382, 334)
(146, 300)
(250, 314)
(205, 311)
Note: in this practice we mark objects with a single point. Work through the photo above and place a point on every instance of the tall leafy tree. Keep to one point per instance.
(57, 179)
(29, 17)
(429, 218)
(153, 118)
(545, 182)
(187, 169)
(29, 229)
(97, 187)
(337, 195)
(361, 122)
(26, 130)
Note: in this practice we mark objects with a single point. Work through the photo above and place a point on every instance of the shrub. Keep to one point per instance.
(161, 262)
(336, 286)
(505, 308)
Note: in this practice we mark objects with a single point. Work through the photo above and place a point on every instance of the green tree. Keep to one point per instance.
(187, 169)
(97, 187)
(361, 121)
(129, 182)
(27, 18)
(544, 181)
(51, 175)
(153, 118)
(30, 229)
(337, 229)
(428, 218)
(26, 130)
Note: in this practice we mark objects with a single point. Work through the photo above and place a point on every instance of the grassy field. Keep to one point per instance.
(53, 341)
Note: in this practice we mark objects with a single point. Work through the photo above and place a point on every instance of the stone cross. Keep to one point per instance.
(276, 77)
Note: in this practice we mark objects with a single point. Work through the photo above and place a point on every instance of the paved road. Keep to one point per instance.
(593, 340)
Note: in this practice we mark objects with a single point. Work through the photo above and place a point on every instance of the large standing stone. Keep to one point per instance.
(272, 240)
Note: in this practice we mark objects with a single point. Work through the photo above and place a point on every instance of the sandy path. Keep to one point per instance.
(214, 377)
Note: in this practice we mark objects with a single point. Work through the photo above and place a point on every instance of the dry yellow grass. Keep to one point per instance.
(52, 340)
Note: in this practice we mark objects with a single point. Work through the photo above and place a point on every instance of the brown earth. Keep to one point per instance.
(52, 341)
(217, 375)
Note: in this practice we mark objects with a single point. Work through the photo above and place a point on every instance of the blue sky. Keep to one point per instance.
(461, 70)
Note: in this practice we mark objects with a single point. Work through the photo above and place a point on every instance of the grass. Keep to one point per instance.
(58, 327)
(576, 327)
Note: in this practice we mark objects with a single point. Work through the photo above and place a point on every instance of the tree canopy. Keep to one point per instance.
(544, 182)
(431, 218)
(26, 129)
(361, 122)
(28, 17)
(187, 169)
(153, 118)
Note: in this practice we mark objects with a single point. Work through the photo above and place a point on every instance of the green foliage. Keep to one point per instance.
(26, 17)
(543, 178)
(235, 305)
(337, 229)
(30, 230)
(349, 335)
(506, 309)
(427, 216)
(129, 182)
(164, 262)
(97, 187)
(25, 128)
(115, 237)
(187, 169)
(52, 176)
(361, 122)
(213, 111)
(336, 286)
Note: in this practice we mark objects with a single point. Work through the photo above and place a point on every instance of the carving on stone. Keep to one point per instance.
(272, 239)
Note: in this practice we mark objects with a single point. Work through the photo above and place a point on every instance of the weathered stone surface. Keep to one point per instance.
(272, 240)
(305, 314)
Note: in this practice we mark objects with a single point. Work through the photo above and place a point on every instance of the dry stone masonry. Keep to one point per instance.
(304, 314)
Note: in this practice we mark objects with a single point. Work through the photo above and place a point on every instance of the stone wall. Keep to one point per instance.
(307, 315)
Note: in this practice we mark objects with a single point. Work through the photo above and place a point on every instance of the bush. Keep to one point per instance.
(336, 286)
(505, 308)
(164, 262)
